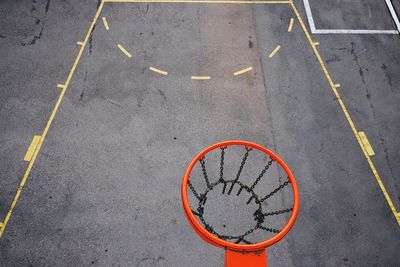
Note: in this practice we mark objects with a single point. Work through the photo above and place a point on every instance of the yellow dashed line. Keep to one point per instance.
(242, 71)
(60, 85)
(158, 71)
(32, 147)
(274, 51)
(124, 51)
(347, 115)
(105, 23)
(200, 77)
(290, 25)
(366, 144)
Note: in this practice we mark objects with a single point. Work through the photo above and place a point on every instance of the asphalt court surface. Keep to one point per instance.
(104, 189)
(339, 14)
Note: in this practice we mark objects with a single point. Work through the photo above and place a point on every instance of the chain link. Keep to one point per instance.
(240, 168)
(203, 168)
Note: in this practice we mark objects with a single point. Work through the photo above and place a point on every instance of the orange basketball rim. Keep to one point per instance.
(239, 255)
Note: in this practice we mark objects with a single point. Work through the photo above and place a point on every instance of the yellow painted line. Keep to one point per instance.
(105, 23)
(290, 25)
(366, 144)
(242, 71)
(347, 115)
(200, 1)
(274, 51)
(316, 43)
(124, 51)
(200, 77)
(60, 85)
(49, 122)
(337, 85)
(159, 71)
(79, 43)
(32, 147)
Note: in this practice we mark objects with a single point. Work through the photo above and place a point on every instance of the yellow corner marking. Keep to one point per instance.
(274, 51)
(49, 122)
(366, 144)
(124, 51)
(105, 23)
(159, 71)
(337, 85)
(200, 77)
(346, 114)
(32, 147)
(79, 43)
(290, 25)
(60, 85)
(203, 1)
(242, 71)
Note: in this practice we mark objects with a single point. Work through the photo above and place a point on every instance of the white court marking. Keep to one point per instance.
(314, 30)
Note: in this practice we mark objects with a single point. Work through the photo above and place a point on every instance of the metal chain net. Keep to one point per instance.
(258, 216)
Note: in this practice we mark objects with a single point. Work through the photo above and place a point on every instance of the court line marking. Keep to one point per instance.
(105, 23)
(337, 85)
(201, 1)
(242, 71)
(79, 43)
(59, 85)
(277, 48)
(366, 143)
(347, 115)
(162, 72)
(394, 15)
(49, 122)
(124, 51)
(200, 77)
(314, 30)
(32, 147)
(290, 25)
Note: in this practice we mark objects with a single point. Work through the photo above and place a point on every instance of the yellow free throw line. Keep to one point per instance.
(200, 77)
(158, 71)
(48, 124)
(202, 1)
(124, 51)
(347, 115)
(274, 51)
(105, 23)
(242, 71)
(290, 25)
(32, 147)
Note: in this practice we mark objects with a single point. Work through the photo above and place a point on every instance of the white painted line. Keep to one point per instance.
(314, 30)
(343, 31)
(394, 15)
(309, 15)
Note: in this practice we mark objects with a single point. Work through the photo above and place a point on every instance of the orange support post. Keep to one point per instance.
(242, 258)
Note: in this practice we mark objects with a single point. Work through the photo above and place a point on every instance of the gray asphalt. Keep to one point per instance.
(105, 188)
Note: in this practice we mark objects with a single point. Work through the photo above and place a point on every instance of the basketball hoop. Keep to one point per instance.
(239, 251)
